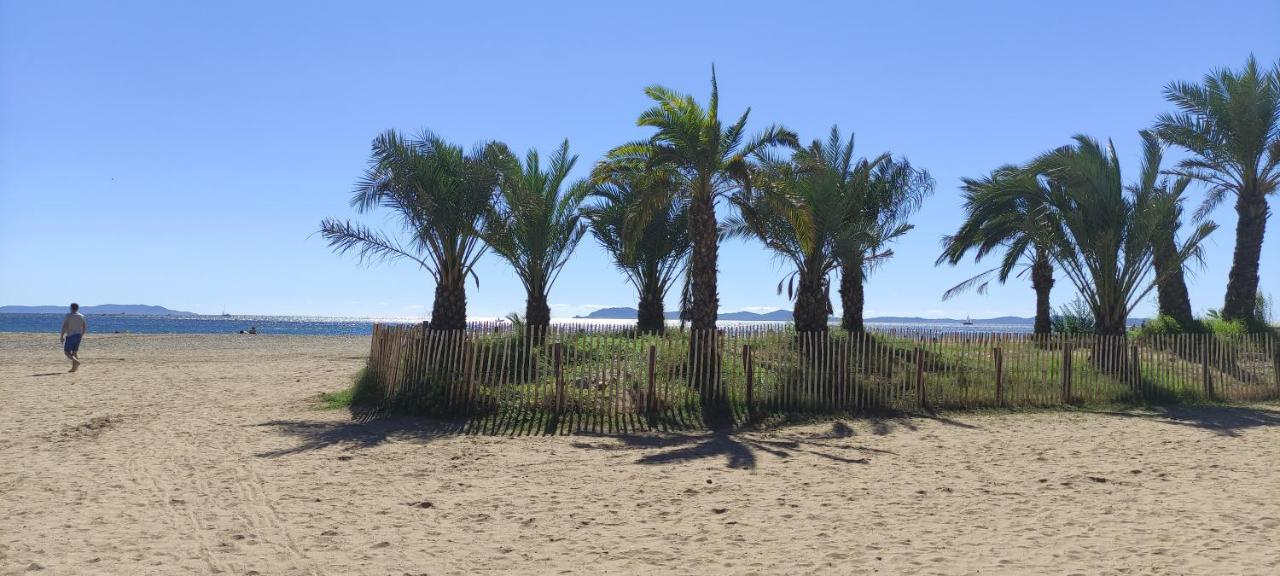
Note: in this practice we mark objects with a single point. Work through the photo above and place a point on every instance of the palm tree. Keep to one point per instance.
(894, 190)
(1231, 125)
(782, 211)
(535, 226)
(1172, 297)
(439, 193)
(711, 161)
(799, 208)
(1006, 210)
(1104, 236)
(651, 254)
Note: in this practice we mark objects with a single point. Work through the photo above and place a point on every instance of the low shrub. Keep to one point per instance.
(1167, 326)
(1220, 327)
(1073, 319)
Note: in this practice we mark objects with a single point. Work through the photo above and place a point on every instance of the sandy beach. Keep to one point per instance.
(211, 455)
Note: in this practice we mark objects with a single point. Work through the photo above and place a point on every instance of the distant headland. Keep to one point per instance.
(133, 309)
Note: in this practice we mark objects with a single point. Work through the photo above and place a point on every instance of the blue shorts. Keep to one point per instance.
(72, 343)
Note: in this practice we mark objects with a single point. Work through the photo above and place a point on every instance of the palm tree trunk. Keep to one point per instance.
(1242, 282)
(704, 356)
(702, 263)
(1171, 288)
(449, 311)
(810, 315)
(537, 314)
(650, 315)
(1042, 283)
(851, 296)
(1111, 350)
(810, 312)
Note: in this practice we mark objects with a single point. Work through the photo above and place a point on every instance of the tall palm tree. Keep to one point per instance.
(1006, 210)
(1105, 233)
(651, 254)
(535, 225)
(711, 160)
(894, 190)
(439, 193)
(1172, 298)
(1231, 125)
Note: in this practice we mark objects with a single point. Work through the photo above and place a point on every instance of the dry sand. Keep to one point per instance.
(208, 454)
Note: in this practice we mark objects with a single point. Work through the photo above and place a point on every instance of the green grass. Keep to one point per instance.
(337, 400)
(365, 389)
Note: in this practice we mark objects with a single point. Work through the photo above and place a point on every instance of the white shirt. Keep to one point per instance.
(74, 323)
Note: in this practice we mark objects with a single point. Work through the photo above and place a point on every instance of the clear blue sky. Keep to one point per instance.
(182, 154)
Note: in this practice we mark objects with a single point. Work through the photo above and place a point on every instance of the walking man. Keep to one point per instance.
(73, 328)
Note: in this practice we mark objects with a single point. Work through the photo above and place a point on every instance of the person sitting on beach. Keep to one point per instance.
(253, 329)
(73, 328)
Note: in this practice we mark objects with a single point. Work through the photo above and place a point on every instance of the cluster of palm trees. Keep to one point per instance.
(1068, 209)
(650, 203)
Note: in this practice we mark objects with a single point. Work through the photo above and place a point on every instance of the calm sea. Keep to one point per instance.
(128, 323)
(303, 325)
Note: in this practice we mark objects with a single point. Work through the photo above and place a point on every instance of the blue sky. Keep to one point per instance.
(183, 154)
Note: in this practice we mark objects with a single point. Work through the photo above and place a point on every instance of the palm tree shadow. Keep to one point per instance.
(692, 447)
(948, 421)
(1223, 420)
(356, 435)
(738, 450)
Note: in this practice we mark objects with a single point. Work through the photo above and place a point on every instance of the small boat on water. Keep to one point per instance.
(968, 321)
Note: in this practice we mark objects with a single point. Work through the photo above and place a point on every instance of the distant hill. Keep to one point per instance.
(744, 316)
(612, 314)
(132, 309)
(624, 313)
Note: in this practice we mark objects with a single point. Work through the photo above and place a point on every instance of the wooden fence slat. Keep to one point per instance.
(998, 357)
(749, 376)
(1275, 364)
(559, 372)
(651, 397)
(1066, 372)
(1205, 377)
(922, 398)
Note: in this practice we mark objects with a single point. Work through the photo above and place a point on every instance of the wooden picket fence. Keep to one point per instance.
(567, 380)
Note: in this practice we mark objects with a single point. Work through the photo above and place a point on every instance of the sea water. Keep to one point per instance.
(316, 325)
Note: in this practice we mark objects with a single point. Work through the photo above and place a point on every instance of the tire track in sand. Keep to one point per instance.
(195, 482)
(161, 502)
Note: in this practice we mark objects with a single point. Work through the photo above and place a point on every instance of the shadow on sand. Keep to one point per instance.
(738, 450)
(1224, 420)
(355, 435)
